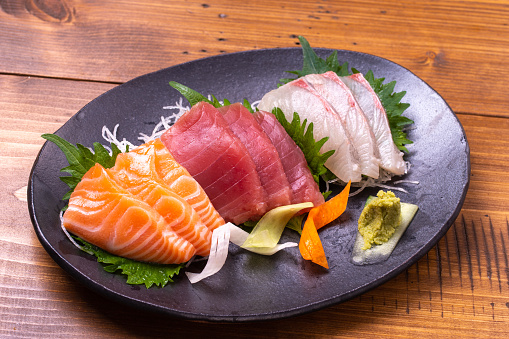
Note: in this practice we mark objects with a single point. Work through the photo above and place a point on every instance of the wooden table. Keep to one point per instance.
(57, 55)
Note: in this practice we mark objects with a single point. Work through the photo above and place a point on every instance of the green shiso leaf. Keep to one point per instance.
(295, 223)
(190, 94)
(137, 272)
(194, 97)
(313, 64)
(391, 101)
(303, 137)
(247, 105)
(81, 159)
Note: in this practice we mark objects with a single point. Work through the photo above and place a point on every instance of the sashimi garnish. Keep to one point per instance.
(268, 230)
(221, 238)
(81, 159)
(137, 272)
(302, 134)
(217, 257)
(111, 136)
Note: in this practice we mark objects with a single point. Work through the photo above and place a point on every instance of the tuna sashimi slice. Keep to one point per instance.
(262, 151)
(202, 142)
(299, 176)
(298, 96)
(136, 173)
(391, 158)
(108, 216)
(332, 89)
(178, 179)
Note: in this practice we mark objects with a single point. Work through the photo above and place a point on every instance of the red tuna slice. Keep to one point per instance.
(294, 163)
(202, 142)
(262, 151)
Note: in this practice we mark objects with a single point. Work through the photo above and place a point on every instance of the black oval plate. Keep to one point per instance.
(253, 287)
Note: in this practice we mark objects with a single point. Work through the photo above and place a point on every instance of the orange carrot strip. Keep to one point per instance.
(310, 245)
(332, 209)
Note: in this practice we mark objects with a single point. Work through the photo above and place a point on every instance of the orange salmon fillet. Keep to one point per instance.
(180, 181)
(136, 174)
(103, 213)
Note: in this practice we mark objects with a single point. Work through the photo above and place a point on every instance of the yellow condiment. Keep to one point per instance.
(379, 219)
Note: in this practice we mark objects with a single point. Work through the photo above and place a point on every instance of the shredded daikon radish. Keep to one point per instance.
(111, 137)
(406, 182)
(384, 177)
(255, 104)
(166, 121)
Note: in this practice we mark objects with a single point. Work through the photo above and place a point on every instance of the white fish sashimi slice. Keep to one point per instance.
(332, 89)
(298, 96)
(391, 158)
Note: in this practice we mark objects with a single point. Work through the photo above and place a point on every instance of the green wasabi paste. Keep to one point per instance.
(379, 219)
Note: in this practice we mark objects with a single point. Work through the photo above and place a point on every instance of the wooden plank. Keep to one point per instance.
(459, 288)
(459, 48)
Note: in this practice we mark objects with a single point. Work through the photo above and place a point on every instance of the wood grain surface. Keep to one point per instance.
(57, 55)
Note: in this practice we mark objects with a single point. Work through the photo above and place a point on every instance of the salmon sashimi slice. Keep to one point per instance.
(136, 174)
(298, 96)
(202, 142)
(304, 186)
(331, 88)
(391, 157)
(178, 179)
(262, 151)
(108, 216)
